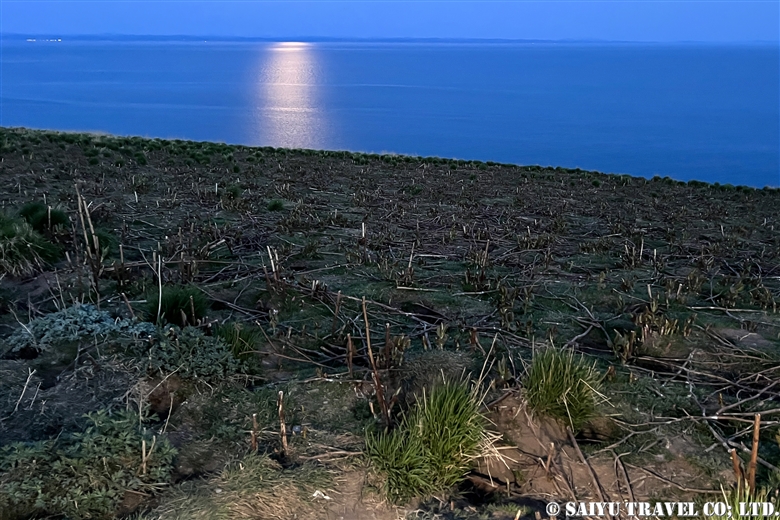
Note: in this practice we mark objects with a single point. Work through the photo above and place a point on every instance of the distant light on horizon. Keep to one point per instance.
(290, 46)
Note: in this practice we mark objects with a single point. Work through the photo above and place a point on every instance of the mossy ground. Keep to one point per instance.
(670, 288)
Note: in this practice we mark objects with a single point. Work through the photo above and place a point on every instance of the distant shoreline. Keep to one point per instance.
(384, 156)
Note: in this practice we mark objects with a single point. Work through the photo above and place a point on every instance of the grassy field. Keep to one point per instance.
(199, 330)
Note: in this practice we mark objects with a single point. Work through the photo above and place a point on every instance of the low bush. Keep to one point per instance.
(563, 386)
(83, 475)
(192, 354)
(739, 499)
(108, 242)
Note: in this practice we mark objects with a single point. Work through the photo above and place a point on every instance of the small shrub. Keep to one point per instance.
(181, 305)
(83, 475)
(192, 354)
(241, 340)
(233, 192)
(275, 205)
(432, 448)
(22, 249)
(563, 386)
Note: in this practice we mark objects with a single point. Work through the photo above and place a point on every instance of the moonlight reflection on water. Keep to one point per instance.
(288, 110)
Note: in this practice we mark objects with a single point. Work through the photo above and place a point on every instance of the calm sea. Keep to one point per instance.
(688, 111)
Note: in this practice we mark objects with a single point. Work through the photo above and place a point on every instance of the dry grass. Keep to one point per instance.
(255, 488)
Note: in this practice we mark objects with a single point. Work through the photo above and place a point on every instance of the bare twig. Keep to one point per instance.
(593, 477)
(24, 390)
(675, 484)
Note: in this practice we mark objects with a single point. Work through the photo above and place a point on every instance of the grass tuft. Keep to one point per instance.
(181, 305)
(739, 500)
(241, 339)
(432, 448)
(42, 218)
(563, 386)
(275, 205)
(22, 249)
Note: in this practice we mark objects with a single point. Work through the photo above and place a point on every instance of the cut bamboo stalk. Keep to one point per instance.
(254, 432)
(387, 350)
(754, 454)
(143, 456)
(282, 426)
(736, 464)
(336, 314)
(380, 394)
(350, 353)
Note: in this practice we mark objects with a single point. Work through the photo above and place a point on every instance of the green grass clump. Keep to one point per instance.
(108, 242)
(181, 305)
(432, 448)
(563, 386)
(22, 249)
(275, 205)
(83, 475)
(241, 339)
(738, 499)
(43, 218)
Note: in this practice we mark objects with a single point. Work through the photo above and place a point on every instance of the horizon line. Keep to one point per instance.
(335, 39)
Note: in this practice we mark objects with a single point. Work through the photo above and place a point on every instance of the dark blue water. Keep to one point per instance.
(687, 111)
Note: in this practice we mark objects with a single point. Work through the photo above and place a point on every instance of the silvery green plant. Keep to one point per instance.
(74, 324)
